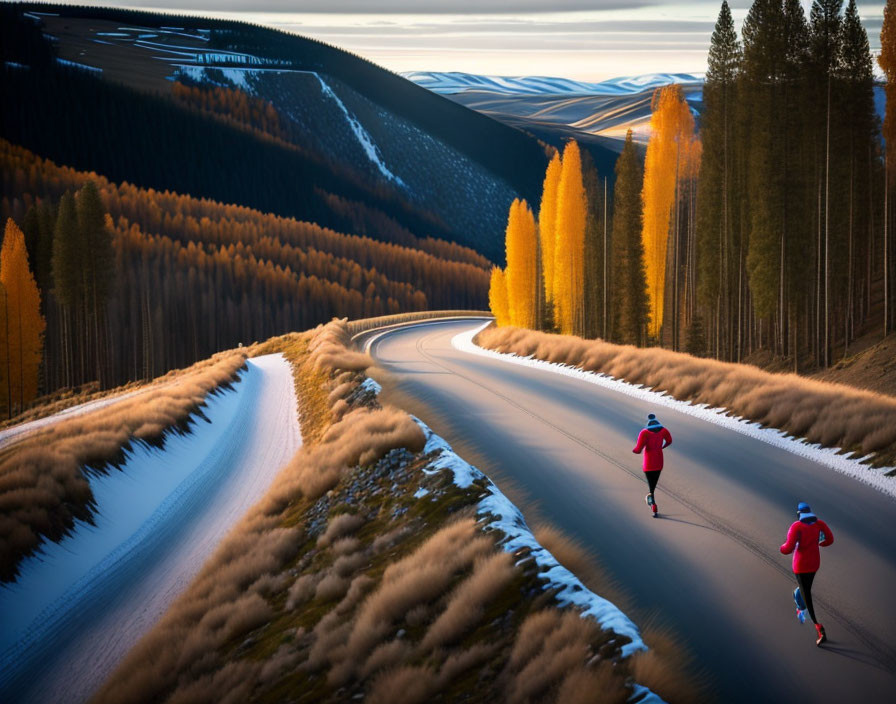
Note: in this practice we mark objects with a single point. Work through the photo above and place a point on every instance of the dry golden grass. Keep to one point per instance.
(43, 485)
(833, 415)
(467, 603)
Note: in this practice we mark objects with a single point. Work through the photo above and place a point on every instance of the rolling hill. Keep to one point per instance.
(596, 114)
(321, 123)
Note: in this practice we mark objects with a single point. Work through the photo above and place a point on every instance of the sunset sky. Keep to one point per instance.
(580, 39)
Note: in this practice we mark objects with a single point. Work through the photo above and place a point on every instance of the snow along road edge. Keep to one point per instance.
(497, 512)
(107, 615)
(828, 457)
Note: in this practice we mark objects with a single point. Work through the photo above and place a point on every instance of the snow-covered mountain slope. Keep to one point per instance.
(555, 109)
(448, 83)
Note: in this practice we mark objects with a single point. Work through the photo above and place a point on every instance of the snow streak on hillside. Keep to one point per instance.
(363, 137)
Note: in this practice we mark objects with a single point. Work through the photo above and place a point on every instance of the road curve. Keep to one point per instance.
(709, 569)
(66, 626)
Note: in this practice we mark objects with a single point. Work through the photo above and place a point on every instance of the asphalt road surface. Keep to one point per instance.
(709, 568)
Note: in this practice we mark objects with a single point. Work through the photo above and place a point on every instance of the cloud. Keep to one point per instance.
(400, 7)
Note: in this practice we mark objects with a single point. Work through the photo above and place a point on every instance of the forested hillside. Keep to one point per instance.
(135, 281)
(249, 115)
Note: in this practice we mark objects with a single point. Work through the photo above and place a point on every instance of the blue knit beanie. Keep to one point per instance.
(803, 507)
(652, 422)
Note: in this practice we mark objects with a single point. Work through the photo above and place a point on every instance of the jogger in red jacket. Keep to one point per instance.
(803, 540)
(652, 440)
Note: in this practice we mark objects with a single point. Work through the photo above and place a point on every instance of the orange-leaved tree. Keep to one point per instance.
(22, 324)
(497, 297)
(569, 244)
(666, 163)
(547, 224)
(521, 265)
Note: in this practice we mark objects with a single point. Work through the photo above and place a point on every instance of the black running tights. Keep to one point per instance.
(652, 479)
(805, 579)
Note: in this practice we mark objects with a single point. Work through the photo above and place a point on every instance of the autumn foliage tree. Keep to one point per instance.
(569, 244)
(194, 276)
(521, 269)
(497, 297)
(667, 162)
(547, 225)
(21, 325)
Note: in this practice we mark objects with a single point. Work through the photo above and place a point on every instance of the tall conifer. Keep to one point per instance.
(717, 223)
(860, 139)
(887, 62)
(764, 49)
(628, 298)
(595, 270)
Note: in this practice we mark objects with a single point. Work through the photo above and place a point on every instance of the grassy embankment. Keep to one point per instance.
(340, 584)
(862, 423)
(44, 483)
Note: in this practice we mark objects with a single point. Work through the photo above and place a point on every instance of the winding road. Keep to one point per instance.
(709, 569)
(81, 604)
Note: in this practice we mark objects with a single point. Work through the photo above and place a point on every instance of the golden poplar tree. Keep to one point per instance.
(521, 265)
(23, 324)
(547, 224)
(569, 248)
(497, 297)
(668, 160)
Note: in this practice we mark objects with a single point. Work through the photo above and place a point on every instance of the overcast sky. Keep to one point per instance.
(580, 39)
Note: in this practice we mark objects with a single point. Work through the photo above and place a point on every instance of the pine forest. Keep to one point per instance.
(763, 226)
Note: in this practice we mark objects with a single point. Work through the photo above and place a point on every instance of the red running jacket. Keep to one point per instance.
(653, 442)
(802, 541)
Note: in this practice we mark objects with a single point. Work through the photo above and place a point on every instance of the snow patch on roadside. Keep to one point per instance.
(130, 502)
(497, 512)
(828, 457)
(370, 386)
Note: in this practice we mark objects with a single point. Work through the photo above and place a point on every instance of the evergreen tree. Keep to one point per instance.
(497, 297)
(825, 53)
(23, 324)
(96, 260)
(596, 272)
(887, 62)
(860, 140)
(67, 279)
(521, 265)
(717, 224)
(628, 297)
(795, 168)
(67, 282)
(763, 64)
(569, 247)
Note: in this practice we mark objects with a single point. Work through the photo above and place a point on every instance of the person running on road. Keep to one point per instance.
(803, 539)
(652, 440)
